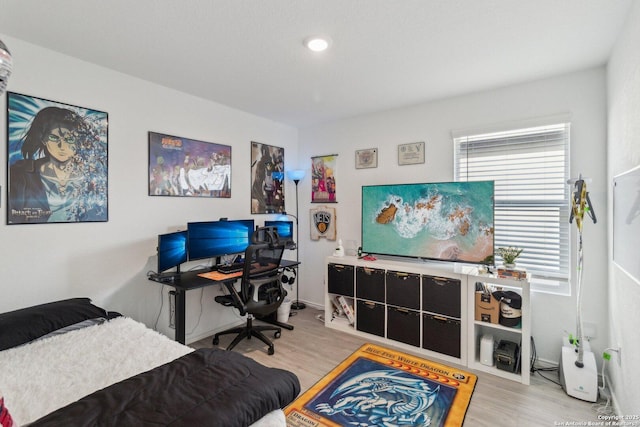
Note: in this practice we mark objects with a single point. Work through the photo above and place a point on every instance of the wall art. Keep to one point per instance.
(411, 154)
(267, 179)
(57, 158)
(183, 167)
(367, 158)
(323, 179)
(323, 223)
(626, 222)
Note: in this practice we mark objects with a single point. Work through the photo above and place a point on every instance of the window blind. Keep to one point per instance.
(530, 168)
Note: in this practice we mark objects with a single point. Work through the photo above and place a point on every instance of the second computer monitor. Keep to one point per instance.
(211, 239)
(172, 250)
(284, 229)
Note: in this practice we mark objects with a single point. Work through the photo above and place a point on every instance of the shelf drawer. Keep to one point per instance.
(403, 325)
(370, 317)
(441, 334)
(370, 283)
(403, 289)
(340, 279)
(441, 295)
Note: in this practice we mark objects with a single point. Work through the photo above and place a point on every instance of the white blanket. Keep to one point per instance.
(47, 374)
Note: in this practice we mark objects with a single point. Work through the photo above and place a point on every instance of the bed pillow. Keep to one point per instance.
(5, 416)
(25, 325)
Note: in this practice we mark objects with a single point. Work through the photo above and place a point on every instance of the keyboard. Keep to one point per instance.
(231, 268)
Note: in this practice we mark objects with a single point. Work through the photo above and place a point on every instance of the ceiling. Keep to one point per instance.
(385, 54)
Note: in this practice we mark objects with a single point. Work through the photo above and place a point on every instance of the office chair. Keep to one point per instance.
(261, 291)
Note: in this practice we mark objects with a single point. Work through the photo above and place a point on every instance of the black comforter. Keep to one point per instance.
(208, 387)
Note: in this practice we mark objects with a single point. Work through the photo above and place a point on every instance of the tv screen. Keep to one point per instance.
(446, 221)
(284, 228)
(211, 239)
(172, 250)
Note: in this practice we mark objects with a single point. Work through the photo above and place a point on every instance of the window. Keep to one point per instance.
(530, 168)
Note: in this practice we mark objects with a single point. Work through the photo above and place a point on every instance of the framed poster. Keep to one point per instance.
(411, 154)
(183, 167)
(626, 222)
(267, 178)
(57, 162)
(323, 223)
(323, 180)
(367, 158)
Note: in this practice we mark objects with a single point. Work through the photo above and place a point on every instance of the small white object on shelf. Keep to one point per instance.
(339, 250)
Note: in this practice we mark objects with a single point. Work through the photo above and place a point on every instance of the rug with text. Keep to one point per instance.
(376, 386)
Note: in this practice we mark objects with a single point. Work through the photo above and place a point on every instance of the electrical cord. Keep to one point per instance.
(606, 408)
(155, 326)
(536, 370)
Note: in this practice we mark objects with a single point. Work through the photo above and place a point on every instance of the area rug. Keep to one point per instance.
(376, 386)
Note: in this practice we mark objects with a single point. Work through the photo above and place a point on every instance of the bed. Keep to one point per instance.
(72, 363)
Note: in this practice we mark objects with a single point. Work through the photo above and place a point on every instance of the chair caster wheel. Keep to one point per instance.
(215, 341)
(271, 351)
(278, 334)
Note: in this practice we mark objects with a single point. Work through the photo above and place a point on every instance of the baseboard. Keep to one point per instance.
(205, 334)
(547, 363)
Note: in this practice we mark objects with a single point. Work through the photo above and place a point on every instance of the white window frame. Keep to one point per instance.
(504, 154)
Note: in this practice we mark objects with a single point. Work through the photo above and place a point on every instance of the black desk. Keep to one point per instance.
(189, 280)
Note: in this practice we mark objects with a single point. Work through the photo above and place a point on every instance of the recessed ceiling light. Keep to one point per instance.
(317, 43)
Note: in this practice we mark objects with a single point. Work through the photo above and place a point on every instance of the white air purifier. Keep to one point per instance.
(579, 382)
(486, 350)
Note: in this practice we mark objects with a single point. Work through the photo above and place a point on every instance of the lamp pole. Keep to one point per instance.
(296, 176)
(297, 305)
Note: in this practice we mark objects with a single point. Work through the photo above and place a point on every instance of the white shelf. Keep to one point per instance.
(470, 329)
(498, 326)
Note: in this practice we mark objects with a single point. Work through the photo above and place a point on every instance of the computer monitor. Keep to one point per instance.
(172, 250)
(211, 239)
(284, 229)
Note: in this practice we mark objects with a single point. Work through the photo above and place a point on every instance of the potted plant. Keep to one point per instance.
(509, 256)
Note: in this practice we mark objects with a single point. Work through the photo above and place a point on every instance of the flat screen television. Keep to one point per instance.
(172, 250)
(444, 221)
(211, 239)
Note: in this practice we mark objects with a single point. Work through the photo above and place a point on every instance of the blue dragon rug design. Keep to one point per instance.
(376, 386)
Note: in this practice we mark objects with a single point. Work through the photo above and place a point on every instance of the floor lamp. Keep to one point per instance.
(296, 176)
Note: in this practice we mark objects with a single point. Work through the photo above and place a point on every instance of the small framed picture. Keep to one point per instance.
(411, 154)
(367, 158)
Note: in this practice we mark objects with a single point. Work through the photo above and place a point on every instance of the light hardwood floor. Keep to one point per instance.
(312, 350)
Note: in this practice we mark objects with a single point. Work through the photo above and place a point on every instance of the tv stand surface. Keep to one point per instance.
(359, 281)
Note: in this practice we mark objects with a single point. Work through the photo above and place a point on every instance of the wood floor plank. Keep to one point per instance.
(311, 351)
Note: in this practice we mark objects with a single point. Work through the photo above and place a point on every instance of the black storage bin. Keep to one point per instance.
(370, 317)
(370, 283)
(403, 289)
(340, 279)
(441, 334)
(403, 325)
(441, 295)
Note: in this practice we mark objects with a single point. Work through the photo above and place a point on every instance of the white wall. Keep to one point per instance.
(580, 94)
(109, 261)
(623, 91)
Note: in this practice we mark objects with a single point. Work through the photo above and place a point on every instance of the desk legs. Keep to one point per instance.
(180, 316)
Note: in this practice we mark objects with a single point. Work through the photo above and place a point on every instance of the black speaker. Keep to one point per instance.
(289, 276)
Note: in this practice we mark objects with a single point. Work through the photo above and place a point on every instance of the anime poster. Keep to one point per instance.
(267, 179)
(323, 180)
(183, 167)
(57, 156)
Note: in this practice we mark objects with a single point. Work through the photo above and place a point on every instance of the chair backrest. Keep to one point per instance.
(261, 289)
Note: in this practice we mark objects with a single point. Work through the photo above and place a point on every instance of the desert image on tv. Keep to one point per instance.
(445, 221)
